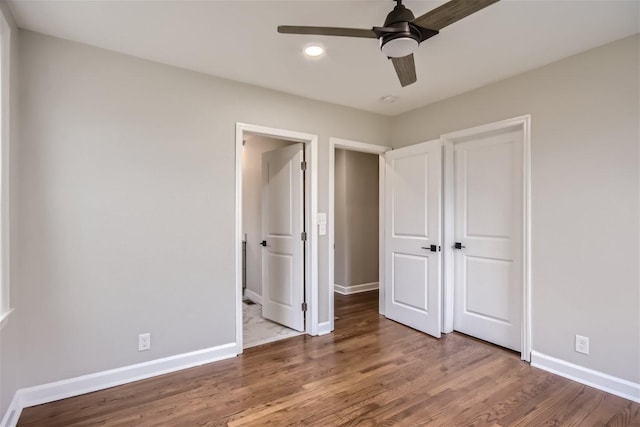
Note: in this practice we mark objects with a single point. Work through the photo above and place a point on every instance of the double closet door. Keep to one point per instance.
(487, 248)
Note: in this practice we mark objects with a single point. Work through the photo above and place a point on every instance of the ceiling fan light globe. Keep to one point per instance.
(398, 47)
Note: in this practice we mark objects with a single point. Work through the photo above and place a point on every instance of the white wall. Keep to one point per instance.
(585, 189)
(356, 218)
(252, 204)
(9, 335)
(126, 203)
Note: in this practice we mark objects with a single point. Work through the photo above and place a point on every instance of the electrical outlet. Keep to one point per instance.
(582, 344)
(144, 342)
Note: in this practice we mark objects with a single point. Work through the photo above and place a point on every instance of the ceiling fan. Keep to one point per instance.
(402, 33)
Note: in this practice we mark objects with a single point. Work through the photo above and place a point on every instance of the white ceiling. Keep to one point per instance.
(238, 40)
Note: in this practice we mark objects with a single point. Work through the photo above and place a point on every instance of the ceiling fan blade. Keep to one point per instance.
(328, 31)
(406, 69)
(450, 12)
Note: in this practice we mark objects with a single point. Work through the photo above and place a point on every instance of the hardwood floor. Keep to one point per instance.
(370, 371)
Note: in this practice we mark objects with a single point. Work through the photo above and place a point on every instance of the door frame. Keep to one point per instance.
(522, 124)
(361, 147)
(311, 207)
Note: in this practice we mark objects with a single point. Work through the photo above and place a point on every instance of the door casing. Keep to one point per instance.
(522, 124)
(311, 207)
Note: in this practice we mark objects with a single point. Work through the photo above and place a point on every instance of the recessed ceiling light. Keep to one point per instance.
(389, 99)
(314, 50)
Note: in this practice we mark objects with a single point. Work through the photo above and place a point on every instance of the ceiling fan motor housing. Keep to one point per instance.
(399, 14)
(406, 40)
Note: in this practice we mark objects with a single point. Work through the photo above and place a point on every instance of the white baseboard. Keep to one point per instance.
(12, 415)
(253, 296)
(324, 328)
(355, 289)
(63, 389)
(601, 381)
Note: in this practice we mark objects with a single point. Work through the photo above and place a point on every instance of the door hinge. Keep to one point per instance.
(303, 236)
(303, 165)
(304, 306)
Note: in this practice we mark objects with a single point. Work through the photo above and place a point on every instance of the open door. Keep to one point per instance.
(412, 242)
(283, 244)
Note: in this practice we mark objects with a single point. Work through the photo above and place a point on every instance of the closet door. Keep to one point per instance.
(488, 234)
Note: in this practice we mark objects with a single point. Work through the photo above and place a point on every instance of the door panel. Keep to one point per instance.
(408, 269)
(488, 223)
(280, 275)
(411, 185)
(487, 284)
(282, 226)
(413, 199)
(488, 183)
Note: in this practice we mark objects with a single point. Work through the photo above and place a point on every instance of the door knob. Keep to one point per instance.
(458, 245)
(432, 248)
(263, 243)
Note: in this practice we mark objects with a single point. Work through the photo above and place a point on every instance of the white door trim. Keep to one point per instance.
(311, 201)
(522, 123)
(363, 148)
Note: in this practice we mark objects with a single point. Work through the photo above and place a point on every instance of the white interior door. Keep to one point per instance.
(282, 227)
(488, 220)
(413, 217)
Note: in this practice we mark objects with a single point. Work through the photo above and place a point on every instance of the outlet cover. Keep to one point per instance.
(582, 344)
(144, 342)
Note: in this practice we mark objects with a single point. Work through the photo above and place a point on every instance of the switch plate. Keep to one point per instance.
(582, 344)
(322, 218)
(144, 342)
(322, 229)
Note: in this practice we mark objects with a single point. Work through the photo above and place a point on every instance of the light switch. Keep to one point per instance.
(322, 218)
(322, 229)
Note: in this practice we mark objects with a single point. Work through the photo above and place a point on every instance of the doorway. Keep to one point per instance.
(356, 222)
(260, 326)
(356, 197)
(276, 249)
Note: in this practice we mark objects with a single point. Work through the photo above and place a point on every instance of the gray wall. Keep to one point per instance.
(126, 203)
(585, 188)
(356, 218)
(252, 203)
(9, 335)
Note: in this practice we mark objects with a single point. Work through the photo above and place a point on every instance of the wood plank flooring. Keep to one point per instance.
(369, 372)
